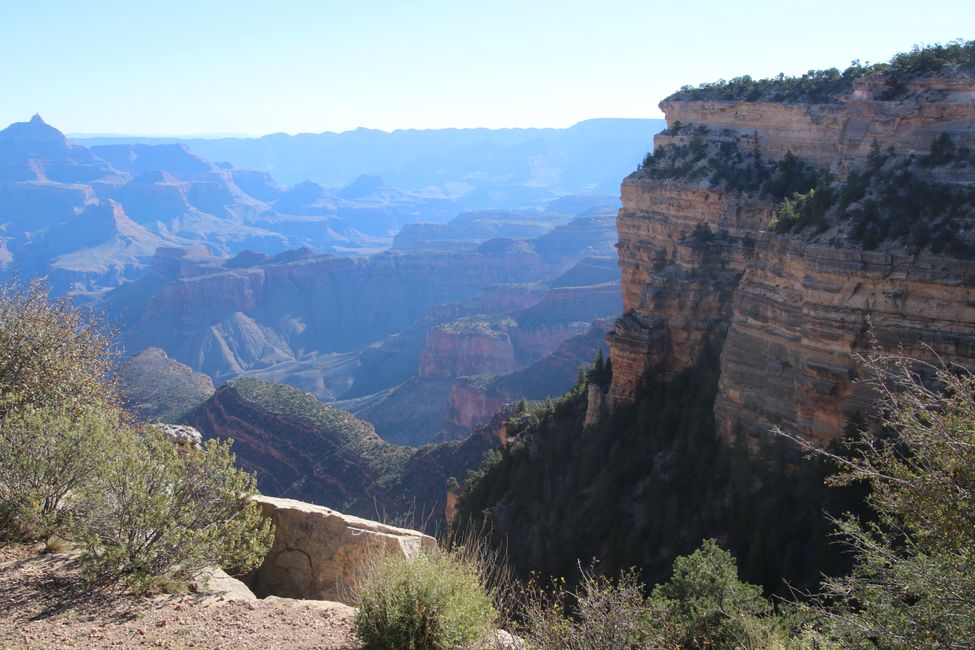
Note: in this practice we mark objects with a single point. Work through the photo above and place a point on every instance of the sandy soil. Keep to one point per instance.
(43, 604)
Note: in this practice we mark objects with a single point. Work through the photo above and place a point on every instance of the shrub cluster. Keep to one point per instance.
(892, 198)
(435, 601)
(822, 86)
(72, 464)
(703, 605)
(732, 163)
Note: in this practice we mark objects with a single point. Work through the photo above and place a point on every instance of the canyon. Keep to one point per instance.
(703, 263)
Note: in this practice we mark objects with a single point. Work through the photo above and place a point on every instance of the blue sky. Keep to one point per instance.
(214, 66)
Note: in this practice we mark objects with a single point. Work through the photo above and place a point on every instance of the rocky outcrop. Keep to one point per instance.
(467, 347)
(474, 400)
(699, 265)
(317, 552)
(183, 435)
(839, 135)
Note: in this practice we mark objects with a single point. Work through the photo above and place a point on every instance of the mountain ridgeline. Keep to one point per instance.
(776, 229)
(303, 449)
(90, 214)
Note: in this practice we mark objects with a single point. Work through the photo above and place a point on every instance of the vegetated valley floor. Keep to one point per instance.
(42, 605)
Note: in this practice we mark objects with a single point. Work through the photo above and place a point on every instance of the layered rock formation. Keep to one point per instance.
(699, 264)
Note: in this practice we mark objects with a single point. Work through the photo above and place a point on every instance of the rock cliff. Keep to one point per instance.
(790, 232)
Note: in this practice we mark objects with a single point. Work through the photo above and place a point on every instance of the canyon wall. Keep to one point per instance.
(700, 262)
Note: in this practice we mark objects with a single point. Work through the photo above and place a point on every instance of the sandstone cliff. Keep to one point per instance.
(711, 251)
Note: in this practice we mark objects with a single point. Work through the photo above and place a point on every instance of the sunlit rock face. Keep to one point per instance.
(700, 263)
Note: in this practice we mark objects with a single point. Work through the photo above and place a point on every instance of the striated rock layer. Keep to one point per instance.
(698, 264)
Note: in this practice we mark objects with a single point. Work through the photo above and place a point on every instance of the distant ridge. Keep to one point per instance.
(591, 155)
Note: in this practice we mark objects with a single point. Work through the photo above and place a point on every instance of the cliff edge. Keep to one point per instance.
(791, 222)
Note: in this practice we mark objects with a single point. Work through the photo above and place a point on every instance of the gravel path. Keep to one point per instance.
(43, 605)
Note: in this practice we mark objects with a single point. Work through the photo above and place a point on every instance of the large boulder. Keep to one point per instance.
(318, 551)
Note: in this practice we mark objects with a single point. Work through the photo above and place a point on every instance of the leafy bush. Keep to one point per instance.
(435, 601)
(913, 580)
(161, 513)
(704, 605)
(891, 199)
(46, 456)
(51, 352)
(144, 510)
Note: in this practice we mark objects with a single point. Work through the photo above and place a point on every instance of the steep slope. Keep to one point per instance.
(159, 389)
(301, 448)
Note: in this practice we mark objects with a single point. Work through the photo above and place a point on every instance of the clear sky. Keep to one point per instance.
(179, 67)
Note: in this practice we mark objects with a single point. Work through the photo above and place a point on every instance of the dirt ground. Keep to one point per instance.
(43, 604)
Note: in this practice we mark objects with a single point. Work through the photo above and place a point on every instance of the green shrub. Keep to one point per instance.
(705, 605)
(46, 455)
(432, 602)
(51, 352)
(913, 579)
(162, 513)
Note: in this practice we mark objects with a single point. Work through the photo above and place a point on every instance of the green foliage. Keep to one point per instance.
(648, 484)
(158, 512)
(807, 210)
(731, 165)
(823, 86)
(435, 601)
(70, 463)
(601, 372)
(51, 352)
(46, 455)
(704, 604)
(891, 199)
(913, 580)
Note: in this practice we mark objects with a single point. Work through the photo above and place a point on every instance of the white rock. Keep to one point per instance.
(317, 551)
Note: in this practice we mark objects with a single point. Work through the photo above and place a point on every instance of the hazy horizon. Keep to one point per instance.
(254, 136)
(254, 68)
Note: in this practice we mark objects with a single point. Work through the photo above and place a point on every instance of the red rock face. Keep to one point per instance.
(469, 406)
(455, 354)
(676, 290)
(792, 313)
(475, 400)
(801, 312)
